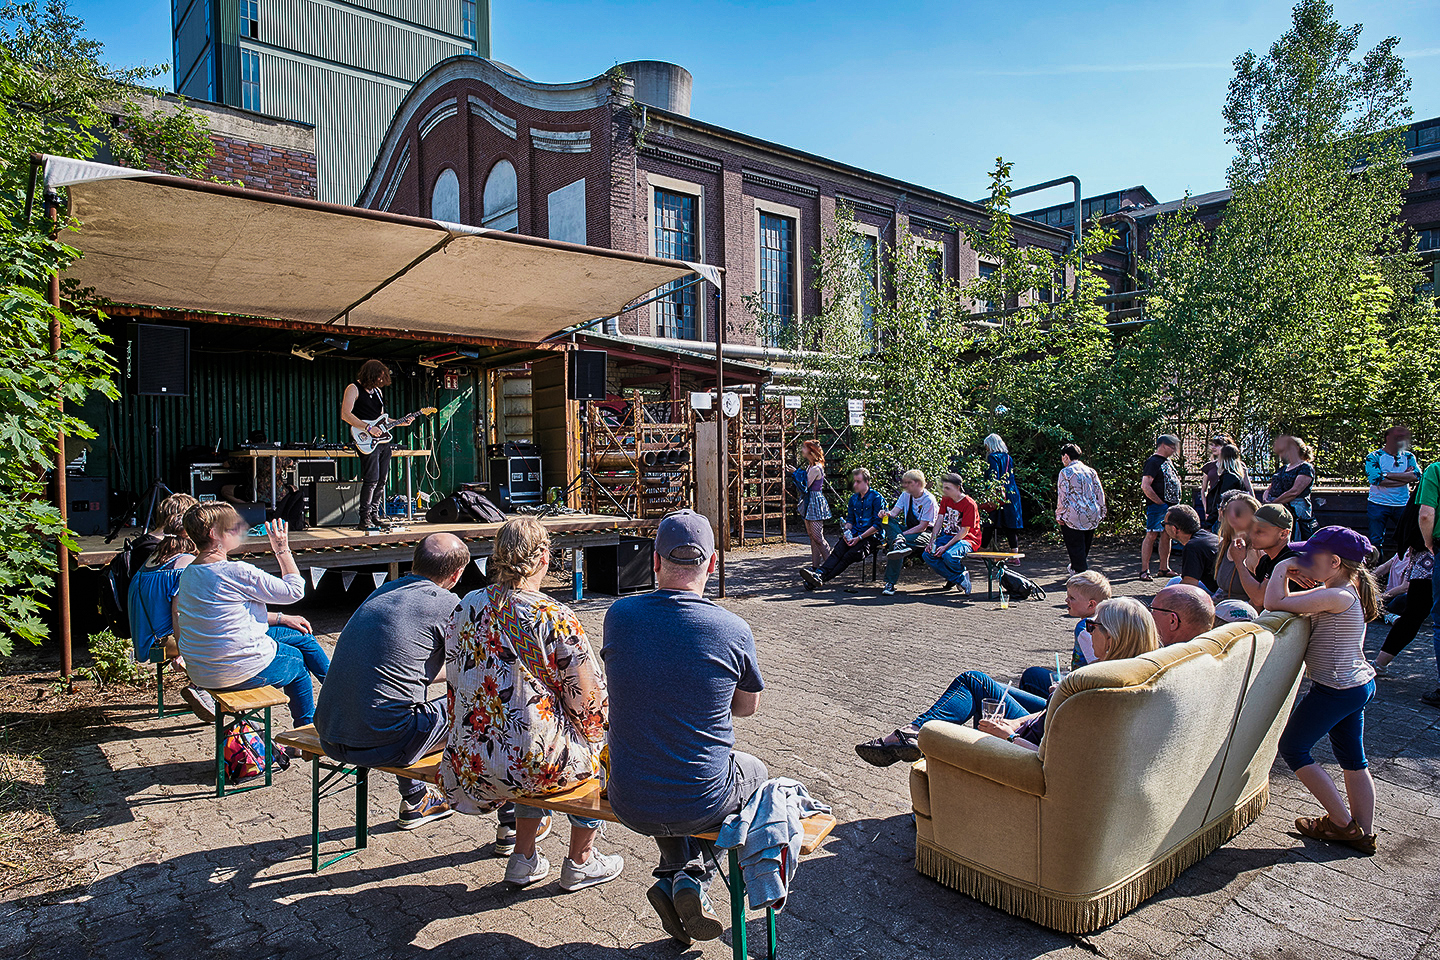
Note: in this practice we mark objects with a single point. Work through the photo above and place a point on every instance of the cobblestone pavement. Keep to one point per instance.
(174, 872)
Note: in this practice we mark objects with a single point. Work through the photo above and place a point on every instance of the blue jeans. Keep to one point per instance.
(961, 702)
(1383, 517)
(950, 563)
(895, 562)
(1340, 713)
(427, 730)
(1036, 681)
(297, 656)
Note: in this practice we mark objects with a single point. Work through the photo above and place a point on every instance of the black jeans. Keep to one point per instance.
(1413, 607)
(428, 729)
(680, 851)
(1077, 544)
(374, 468)
(844, 554)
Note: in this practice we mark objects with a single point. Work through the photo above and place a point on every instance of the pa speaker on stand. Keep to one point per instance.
(587, 375)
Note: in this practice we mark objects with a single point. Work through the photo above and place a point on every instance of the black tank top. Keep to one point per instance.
(369, 404)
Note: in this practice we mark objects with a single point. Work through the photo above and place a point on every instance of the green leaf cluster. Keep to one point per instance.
(57, 95)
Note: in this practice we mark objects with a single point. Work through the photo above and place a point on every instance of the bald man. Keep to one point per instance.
(1181, 613)
(373, 710)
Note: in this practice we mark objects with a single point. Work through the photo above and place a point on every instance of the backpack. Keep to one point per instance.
(1019, 588)
(292, 509)
(245, 753)
(115, 592)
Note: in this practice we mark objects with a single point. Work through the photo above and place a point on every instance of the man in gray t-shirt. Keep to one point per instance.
(373, 710)
(678, 668)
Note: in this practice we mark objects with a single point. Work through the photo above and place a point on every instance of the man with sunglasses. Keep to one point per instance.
(1182, 613)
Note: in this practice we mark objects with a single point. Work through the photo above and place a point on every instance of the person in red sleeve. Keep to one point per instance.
(957, 533)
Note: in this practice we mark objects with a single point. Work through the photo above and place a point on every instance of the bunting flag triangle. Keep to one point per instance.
(316, 574)
(347, 577)
(379, 577)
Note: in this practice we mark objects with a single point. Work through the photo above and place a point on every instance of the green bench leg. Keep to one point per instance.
(244, 716)
(333, 773)
(157, 657)
(737, 908)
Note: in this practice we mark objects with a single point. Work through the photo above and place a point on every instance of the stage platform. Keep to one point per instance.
(346, 547)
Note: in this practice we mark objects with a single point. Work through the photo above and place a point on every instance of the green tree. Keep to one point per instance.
(57, 95)
(1297, 313)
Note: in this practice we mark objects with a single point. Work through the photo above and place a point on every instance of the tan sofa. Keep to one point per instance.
(1146, 766)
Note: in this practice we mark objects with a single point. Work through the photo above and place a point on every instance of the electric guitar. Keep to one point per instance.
(365, 441)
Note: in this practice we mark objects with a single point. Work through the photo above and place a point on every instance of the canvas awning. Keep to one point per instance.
(164, 241)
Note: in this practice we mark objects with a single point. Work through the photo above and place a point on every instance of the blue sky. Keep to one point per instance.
(1116, 93)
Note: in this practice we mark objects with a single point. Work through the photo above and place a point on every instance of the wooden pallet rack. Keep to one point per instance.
(760, 472)
(647, 465)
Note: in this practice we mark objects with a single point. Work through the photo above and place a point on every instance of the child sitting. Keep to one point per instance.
(1083, 593)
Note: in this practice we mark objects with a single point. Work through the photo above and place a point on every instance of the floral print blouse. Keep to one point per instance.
(527, 701)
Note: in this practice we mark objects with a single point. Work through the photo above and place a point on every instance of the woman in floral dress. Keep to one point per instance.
(527, 708)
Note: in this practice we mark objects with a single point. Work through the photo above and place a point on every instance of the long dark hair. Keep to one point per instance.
(373, 373)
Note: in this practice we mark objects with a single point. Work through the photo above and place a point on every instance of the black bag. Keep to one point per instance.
(1019, 588)
(292, 509)
(465, 506)
(115, 592)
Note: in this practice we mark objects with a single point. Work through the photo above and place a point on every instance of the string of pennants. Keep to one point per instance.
(347, 577)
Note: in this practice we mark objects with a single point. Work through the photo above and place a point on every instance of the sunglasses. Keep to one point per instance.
(1090, 624)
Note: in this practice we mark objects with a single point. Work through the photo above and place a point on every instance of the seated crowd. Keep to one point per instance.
(530, 708)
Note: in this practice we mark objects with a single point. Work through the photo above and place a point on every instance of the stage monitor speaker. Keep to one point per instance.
(335, 504)
(622, 568)
(159, 360)
(587, 375)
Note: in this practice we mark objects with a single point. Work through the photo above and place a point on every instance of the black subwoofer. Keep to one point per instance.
(626, 567)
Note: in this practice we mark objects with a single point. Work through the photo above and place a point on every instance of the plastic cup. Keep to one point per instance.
(992, 710)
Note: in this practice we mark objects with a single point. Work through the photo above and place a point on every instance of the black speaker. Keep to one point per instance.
(626, 567)
(587, 375)
(89, 505)
(334, 504)
(159, 362)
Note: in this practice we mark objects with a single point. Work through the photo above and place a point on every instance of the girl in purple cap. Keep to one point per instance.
(1342, 680)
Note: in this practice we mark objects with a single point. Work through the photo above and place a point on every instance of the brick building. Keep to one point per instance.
(259, 152)
(617, 161)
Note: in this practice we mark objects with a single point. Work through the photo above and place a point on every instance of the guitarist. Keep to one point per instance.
(363, 402)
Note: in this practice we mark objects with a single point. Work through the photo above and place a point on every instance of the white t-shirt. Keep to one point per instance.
(926, 507)
(220, 620)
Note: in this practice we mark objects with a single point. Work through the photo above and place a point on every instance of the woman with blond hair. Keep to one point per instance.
(228, 637)
(1237, 512)
(814, 508)
(1121, 628)
(1294, 483)
(528, 708)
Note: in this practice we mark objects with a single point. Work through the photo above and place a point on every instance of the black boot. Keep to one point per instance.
(369, 523)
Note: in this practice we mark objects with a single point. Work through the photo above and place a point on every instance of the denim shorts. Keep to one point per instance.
(536, 813)
(1155, 516)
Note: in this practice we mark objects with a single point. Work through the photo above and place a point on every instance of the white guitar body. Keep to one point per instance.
(366, 441)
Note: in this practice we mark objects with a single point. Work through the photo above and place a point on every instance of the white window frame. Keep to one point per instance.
(778, 210)
(654, 181)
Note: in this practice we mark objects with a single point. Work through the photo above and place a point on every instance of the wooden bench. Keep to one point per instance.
(247, 705)
(585, 801)
(157, 657)
(995, 561)
(994, 564)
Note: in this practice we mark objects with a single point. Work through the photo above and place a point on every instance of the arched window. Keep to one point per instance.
(445, 198)
(501, 202)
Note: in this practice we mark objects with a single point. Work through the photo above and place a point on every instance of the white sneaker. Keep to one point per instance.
(522, 872)
(600, 868)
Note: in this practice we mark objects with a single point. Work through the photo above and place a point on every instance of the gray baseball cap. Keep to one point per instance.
(685, 537)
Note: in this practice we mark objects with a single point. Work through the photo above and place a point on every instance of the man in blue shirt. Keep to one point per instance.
(1391, 470)
(678, 668)
(861, 535)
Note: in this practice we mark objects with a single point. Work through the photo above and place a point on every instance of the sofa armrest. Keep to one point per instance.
(983, 755)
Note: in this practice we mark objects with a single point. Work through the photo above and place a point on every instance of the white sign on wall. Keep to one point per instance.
(792, 402)
(702, 401)
(855, 406)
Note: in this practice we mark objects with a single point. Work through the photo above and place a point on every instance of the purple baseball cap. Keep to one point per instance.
(685, 537)
(1341, 541)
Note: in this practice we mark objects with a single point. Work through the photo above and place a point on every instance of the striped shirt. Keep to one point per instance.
(1336, 654)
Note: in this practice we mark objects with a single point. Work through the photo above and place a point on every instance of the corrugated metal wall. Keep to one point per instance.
(291, 400)
(351, 111)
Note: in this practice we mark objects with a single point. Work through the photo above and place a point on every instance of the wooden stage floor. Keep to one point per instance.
(348, 547)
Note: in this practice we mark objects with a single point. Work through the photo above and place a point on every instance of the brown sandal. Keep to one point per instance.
(1325, 829)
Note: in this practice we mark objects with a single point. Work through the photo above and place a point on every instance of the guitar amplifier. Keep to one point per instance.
(334, 503)
(206, 479)
(515, 481)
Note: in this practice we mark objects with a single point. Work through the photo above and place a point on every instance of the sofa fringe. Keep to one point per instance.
(1083, 915)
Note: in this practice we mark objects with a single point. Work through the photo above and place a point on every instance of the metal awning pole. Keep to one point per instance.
(720, 438)
(62, 501)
